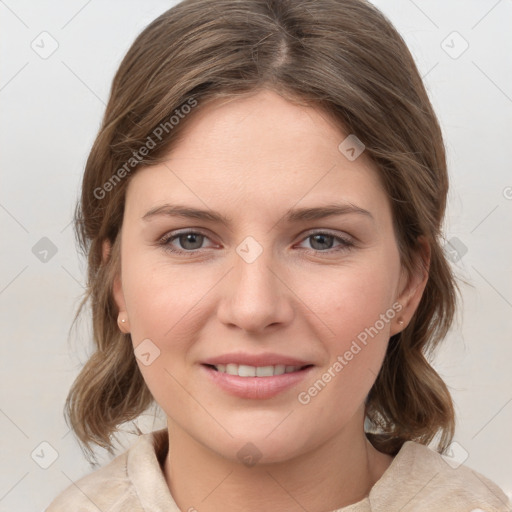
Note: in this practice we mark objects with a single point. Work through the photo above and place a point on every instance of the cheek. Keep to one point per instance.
(352, 303)
(163, 301)
(353, 315)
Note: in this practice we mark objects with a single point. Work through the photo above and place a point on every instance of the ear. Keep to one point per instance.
(117, 291)
(412, 285)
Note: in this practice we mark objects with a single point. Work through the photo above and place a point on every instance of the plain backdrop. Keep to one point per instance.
(57, 63)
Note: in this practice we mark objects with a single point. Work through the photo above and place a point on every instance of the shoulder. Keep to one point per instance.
(97, 490)
(109, 489)
(421, 479)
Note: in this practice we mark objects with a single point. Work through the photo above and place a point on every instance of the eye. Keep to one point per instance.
(190, 241)
(323, 242)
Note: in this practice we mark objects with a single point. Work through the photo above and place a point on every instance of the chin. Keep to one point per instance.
(252, 446)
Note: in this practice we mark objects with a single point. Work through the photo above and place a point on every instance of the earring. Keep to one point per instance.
(121, 322)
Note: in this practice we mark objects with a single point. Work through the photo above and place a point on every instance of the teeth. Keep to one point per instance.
(264, 371)
(244, 370)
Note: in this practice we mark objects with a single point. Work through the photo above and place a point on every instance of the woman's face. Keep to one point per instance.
(275, 284)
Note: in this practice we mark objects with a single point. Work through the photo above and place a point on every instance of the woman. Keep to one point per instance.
(262, 215)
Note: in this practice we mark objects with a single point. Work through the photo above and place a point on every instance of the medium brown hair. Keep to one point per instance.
(341, 56)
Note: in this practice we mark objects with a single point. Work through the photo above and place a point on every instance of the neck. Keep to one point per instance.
(334, 475)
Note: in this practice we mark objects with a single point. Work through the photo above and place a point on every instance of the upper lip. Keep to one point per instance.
(265, 359)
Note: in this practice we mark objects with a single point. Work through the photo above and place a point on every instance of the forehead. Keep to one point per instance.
(258, 153)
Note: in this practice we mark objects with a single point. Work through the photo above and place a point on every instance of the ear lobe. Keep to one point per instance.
(417, 279)
(117, 287)
(117, 292)
(123, 321)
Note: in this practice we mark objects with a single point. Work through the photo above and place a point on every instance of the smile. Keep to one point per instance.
(255, 382)
(244, 370)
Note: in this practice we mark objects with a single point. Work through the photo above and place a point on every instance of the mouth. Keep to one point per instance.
(244, 370)
(255, 382)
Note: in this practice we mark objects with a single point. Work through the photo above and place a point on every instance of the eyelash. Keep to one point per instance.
(166, 240)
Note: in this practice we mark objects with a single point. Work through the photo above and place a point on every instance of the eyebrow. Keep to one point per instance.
(291, 216)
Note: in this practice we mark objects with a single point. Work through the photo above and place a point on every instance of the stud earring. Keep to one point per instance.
(121, 322)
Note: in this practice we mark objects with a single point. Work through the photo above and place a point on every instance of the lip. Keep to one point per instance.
(255, 388)
(265, 359)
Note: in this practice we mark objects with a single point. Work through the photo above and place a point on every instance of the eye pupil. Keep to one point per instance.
(192, 238)
(321, 238)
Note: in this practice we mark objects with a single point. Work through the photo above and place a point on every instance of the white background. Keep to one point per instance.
(51, 110)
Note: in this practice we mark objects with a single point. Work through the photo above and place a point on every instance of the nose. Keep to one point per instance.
(255, 296)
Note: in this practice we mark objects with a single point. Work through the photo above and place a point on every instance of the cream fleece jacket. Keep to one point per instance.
(418, 480)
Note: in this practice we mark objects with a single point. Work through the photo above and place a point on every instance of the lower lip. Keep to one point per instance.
(257, 388)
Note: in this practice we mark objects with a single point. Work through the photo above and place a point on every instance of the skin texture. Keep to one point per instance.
(252, 159)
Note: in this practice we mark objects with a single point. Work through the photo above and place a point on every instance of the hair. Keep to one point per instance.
(341, 56)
